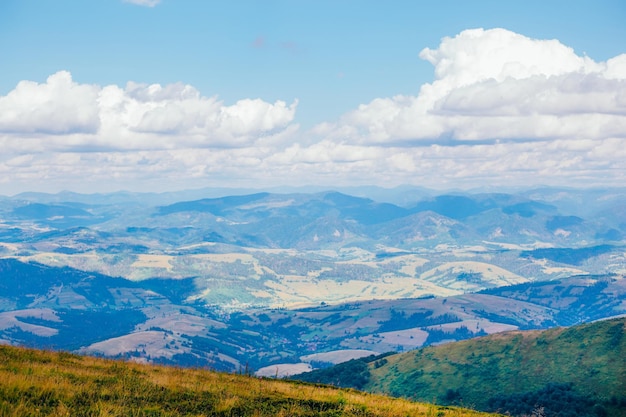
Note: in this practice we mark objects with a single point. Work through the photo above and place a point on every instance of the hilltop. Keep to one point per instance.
(41, 383)
(582, 366)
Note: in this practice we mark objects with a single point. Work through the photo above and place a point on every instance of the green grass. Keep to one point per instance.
(590, 358)
(42, 383)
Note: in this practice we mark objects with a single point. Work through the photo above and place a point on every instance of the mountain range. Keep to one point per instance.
(284, 282)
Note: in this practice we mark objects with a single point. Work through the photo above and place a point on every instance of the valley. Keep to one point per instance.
(279, 283)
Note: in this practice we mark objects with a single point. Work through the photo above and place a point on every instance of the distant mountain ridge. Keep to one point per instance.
(250, 218)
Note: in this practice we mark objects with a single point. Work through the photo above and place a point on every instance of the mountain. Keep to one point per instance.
(301, 279)
(161, 320)
(266, 220)
(276, 244)
(46, 384)
(575, 371)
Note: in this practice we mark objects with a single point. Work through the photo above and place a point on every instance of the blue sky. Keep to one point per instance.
(304, 92)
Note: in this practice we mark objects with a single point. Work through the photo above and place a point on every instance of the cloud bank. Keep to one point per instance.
(502, 109)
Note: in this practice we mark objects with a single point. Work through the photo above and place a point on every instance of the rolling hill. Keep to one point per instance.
(574, 371)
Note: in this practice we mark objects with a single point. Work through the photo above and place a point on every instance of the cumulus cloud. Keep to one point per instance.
(498, 85)
(502, 109)
(64, 115)
(477, 54)
(59, 106)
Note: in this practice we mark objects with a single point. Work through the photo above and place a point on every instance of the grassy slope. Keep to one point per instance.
(39, 383)
(592, 357)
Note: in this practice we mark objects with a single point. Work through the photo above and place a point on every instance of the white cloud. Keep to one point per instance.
(181, 113)
(63, 115)
(146, 3)
(60, 106)
(503, 109)
(498, 85)
(476, 55)
(556, 162)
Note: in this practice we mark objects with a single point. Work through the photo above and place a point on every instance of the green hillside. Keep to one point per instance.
(39, 383)
(585, 364)
(565, 372)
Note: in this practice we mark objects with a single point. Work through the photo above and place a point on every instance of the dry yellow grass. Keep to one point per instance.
(38, 383)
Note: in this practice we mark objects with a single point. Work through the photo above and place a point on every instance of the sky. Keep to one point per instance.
(161, 95)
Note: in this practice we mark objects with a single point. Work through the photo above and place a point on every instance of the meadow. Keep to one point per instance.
(45, 383)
